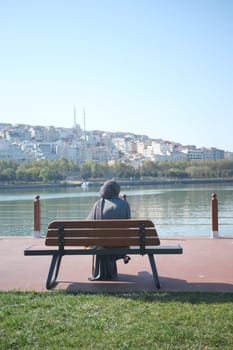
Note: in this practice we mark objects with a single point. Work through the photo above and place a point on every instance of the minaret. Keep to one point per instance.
(84, 124)
(75, 123)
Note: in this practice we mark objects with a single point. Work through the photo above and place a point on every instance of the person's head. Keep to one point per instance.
(110, 189)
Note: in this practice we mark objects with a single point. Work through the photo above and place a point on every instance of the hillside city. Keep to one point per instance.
(23, 142)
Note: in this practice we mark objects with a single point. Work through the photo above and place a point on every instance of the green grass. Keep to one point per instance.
(59, 320)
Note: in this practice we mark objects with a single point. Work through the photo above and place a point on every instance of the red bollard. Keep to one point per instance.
(214, 207)
(37, 232)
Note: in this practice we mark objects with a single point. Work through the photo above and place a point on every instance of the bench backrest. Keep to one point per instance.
(102, 233)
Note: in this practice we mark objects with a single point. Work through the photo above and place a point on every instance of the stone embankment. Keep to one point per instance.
(152, 182)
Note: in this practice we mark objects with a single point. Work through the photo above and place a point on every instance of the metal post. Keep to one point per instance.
(37, 232)
(214, 208)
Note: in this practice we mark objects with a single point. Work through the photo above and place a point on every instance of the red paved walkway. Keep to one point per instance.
(205, 265)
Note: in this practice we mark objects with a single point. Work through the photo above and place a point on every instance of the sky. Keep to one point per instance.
(161, 68)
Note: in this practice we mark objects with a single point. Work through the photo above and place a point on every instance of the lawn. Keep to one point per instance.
(60, 320)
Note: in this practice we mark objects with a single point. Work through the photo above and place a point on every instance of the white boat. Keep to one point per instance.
(84, 185)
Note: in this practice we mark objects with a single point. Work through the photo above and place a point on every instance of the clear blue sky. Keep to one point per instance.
(160, 68)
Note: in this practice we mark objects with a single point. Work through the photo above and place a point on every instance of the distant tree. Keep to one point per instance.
(100, 170)
(177, 173)
(85, 171)
(47, 175)
(149, 168)
(32, 174)
(59, 169)
(7, 174)
(122, 170)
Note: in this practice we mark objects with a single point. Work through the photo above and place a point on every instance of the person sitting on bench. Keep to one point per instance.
(109, 206)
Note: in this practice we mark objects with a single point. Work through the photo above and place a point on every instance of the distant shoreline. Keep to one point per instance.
(121, 182)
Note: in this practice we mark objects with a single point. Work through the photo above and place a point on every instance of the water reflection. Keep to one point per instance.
(175, 210)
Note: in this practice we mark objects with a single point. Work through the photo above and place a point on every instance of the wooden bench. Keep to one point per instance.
(101, 237)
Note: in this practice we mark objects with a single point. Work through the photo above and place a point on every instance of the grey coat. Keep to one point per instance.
(108, 207)
(113, 208)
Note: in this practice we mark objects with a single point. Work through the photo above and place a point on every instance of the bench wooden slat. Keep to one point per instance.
(102, 242)
(100, 223)
(102, 232)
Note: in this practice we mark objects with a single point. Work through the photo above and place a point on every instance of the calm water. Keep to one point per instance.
(175, 209)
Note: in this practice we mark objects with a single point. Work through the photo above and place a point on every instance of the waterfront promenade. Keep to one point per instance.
(206, 265)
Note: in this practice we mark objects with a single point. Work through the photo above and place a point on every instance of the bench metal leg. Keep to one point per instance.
(154, 270)
(55, 265)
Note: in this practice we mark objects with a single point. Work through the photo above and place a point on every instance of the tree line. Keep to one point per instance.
(49, 171)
